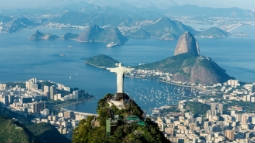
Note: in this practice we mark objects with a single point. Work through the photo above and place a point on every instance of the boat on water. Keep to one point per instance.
(112, 44)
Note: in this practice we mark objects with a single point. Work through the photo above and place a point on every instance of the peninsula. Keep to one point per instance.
(186, 66)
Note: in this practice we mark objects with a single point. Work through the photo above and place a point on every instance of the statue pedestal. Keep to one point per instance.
(119, 100)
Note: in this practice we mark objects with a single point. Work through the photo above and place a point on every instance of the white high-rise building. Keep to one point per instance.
(32, 84)
(2, 86)
(233, 83)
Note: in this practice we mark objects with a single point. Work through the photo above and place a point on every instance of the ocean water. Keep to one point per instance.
(64, 62)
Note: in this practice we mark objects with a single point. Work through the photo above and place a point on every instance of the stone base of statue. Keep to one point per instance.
(119, 100)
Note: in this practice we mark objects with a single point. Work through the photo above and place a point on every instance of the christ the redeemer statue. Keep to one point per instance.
(120, 72)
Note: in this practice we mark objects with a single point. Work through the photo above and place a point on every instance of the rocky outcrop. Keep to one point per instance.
(70, 36)
(38, 36)
(187, 44)
(188, 66)
(96, 34)
(207, 72)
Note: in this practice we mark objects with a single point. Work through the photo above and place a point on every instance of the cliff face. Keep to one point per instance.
(201, 69)
(208, 72)
(187, 44)
(188, 66)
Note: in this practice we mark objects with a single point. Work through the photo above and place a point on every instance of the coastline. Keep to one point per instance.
(151, 77)
(55, 105)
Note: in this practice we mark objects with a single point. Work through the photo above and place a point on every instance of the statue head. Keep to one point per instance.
(118, 64)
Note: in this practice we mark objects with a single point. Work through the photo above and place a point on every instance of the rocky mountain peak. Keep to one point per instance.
(187, 44)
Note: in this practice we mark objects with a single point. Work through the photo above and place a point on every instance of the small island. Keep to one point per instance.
(102, 61)
(38, 36)
(70, 36)
(110, 36)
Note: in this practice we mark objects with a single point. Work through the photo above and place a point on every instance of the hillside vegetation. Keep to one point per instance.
(16, 128)
(185, 67)
(127, 125)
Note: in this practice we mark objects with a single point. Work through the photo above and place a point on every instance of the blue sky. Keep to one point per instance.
(245, 4)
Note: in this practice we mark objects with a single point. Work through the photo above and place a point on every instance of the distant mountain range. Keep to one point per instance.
(90, 14)
(213, 32)
(20, 23)
(5, 19)
(187, 65)
(243, 30)
(166, 29)
(162, 28)
(197, 11)
(93, 13)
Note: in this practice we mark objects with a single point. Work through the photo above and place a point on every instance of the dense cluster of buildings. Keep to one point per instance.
(65, 120)
(32, 96)
(234, 91)
(220, 123)
(140, 73)
(162, 76)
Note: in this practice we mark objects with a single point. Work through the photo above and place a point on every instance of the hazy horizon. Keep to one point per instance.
(20, 4)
